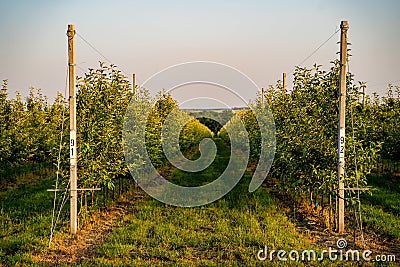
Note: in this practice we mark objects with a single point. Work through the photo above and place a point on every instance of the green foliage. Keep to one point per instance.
(249, 120)
(306, 122)
(5, 138)
(213, 125)
(29, 130)
(163, 106)
(382, 122)
(306, 132)
(102, 98)
(213, 119)
(192, 133)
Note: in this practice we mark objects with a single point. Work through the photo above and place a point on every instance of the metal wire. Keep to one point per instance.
(97, 51)
(319, 47)
(64, 200)
(359, 217)
(53, 221)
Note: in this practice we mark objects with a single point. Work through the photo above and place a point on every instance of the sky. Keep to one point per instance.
(261, 39)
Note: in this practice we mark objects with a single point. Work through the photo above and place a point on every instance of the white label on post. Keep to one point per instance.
(72, 144)
(341, 144)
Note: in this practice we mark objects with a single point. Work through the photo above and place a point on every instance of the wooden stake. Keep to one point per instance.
(134, 83)
(72, 129)
(341, 125)
(363, 88)
(284, 81)
(262, 95)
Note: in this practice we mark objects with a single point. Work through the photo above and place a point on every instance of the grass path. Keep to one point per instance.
(25, 219)
(381, 210)
(67, 250)
(227, 232)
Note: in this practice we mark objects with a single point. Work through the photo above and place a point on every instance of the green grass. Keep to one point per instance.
(211, 235)
(381, 208)
(213, 171)
(380, 221)
(25, 220)
(227, 232)
(384, 181)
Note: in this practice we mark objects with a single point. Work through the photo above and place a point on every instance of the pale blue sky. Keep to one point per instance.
(260, 38)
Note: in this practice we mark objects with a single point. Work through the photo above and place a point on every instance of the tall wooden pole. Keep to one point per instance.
(341, 125)
(72, 129)
(262, 95)
(134, 83)
(284, 81)
(364, 88)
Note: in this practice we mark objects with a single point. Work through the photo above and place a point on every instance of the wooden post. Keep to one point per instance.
(72, 129)
(262, 95)
(134, 83)
(341, 125)
(363, 88)
(284, 81)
